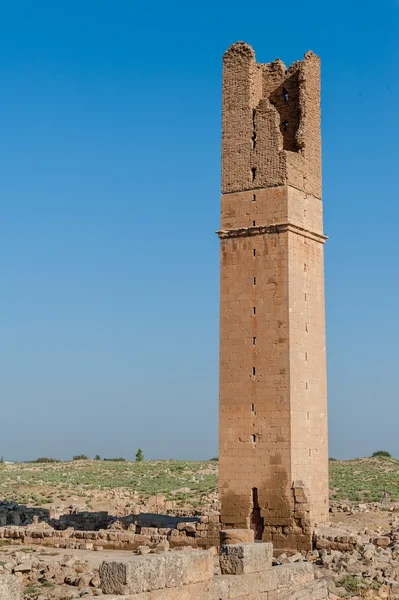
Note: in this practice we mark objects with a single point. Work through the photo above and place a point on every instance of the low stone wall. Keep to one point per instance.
(246, 572)
(150, 530)
(195, 534)
(333, 538)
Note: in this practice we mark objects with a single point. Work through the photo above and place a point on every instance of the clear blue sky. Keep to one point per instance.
(110, 179)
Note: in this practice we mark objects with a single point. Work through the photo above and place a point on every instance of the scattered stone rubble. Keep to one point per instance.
(51, 578)
(366, 560)
(363, 562)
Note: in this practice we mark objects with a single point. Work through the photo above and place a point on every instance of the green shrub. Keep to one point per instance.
(45, 459)
(80, 457)
(351, 584)
(381, 453)
(215, 459)
(97, 457)
(116, 459)
(139, 455)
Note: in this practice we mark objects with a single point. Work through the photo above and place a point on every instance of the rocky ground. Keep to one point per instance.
(358, 552)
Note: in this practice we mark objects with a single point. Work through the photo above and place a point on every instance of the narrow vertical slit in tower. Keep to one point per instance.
(253, 171)
(254, 198)
(285, 94)
(254, 280)
(253, 371)
(253, 409)
(253, 138)
(254, 341)
(254, 251)
(253, 223)
(254, 309)
(256, 519)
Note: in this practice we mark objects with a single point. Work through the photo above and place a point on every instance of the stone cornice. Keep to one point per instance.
(265, 229)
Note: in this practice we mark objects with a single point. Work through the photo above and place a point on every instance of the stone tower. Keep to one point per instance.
(273, 412)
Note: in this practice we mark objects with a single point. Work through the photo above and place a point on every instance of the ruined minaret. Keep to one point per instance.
(273, 411)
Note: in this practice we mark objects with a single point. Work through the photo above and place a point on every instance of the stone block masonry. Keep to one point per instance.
(149, 530)
(273, 454)
(247, 572)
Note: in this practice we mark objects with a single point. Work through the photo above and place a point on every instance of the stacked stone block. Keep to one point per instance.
(246, 572)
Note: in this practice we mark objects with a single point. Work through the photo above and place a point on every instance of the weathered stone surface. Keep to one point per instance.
(238, 559)
(156, 571)
(10, 588)
(297, 573)
(139, 574)
(236, 536)
(316, 590)
(184, 568)
(252, 586)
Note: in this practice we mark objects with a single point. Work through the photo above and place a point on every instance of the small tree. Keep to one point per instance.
(382, 453)
(80, 457)
(97, 457)
(139, 455)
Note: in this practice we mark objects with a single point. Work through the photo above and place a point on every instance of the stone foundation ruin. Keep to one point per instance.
(240, 571)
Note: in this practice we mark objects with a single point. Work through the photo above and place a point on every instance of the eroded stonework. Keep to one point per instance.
(273, 412)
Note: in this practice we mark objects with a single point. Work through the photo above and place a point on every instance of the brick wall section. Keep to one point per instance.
(273, 416)
(202, 532)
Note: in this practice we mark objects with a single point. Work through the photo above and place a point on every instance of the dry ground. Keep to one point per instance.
(102, 485)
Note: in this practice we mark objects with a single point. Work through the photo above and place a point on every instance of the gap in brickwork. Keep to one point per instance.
(285, 98)
(256, 519)
(285, 94)
(253, 130)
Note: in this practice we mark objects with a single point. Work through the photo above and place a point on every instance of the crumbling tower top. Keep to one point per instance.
(271, 123)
